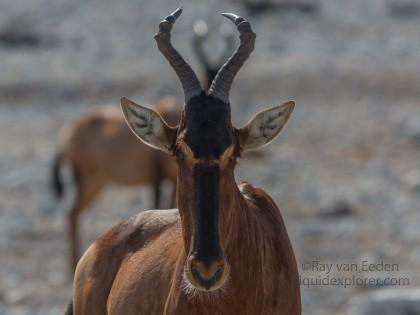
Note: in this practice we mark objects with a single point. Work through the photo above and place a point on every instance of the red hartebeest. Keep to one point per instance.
(225, 250)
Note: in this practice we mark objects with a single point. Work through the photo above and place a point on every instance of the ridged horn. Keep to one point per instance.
(186, 75)
(222, 83)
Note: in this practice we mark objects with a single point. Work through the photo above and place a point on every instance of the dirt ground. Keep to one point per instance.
(345, 172)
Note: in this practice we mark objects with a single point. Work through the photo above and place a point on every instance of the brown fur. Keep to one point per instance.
(153, 263)
(137, 267)
(101, 149)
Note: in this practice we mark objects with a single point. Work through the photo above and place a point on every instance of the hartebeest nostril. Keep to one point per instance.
(205, 274)
(208, 276)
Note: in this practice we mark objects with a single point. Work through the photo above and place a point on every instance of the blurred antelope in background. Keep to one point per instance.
(225, 250)
(101, 149)
(211, 65)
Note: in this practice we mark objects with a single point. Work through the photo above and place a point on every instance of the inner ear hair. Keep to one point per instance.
(264, 126)
(149, 126)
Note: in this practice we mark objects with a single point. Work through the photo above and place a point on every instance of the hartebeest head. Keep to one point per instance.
(206, 146)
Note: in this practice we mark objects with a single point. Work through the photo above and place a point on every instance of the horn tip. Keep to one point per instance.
(177, 12)
(234, 18)
(171, 18)
(230, 16)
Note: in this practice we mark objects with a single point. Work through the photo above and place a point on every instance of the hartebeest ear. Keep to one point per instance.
(148, 126)
(264, 126)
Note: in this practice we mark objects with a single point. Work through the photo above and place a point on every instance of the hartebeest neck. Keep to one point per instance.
(253, 237)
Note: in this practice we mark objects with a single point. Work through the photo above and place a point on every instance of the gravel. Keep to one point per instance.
(353, 139)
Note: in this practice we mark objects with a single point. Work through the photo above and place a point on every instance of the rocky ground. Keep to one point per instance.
(345, 172)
